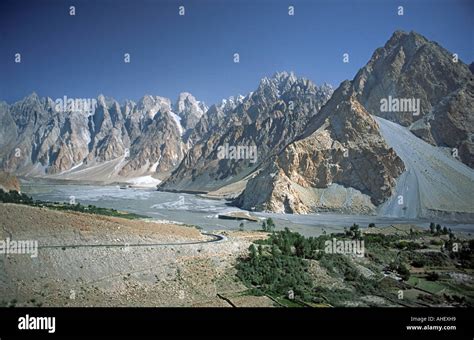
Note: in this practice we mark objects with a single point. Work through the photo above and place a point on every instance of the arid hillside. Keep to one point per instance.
(91, 260)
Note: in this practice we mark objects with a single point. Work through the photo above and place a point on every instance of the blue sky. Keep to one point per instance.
(82, 55)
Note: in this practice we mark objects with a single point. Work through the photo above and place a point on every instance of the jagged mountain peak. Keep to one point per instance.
(284, 76)
(186, 102)
(264, 118)
(409, 68)
(32, 96)
(106, 101)
(231, 103)
(278, 83)
(343, 156)
(147, 102)
(30, 100)
(189, 110)
(184, 97)
(400, 37)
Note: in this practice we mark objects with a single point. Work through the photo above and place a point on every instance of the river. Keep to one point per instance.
(197, 210)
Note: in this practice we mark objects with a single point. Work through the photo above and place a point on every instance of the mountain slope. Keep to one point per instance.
(109, 142)
(342, 163)
(434, 183)
(267, 119)
(410, 66)
(347, 161)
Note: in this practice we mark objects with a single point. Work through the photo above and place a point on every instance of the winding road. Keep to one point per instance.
(215, 238)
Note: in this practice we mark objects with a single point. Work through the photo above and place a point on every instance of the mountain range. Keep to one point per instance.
(317, 149)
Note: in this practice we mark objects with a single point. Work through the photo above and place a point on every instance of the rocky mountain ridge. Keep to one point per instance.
(146, 137)
(290, 146)
(410, 67)
(342, 162)
(266, 120)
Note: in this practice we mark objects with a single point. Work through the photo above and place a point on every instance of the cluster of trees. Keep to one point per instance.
(92, 209)
(340, 266)
(354, 232)
(16, 197)
(280, 263)
(437, 230)
(461, 251)
(379, 240)
(432, 276)
(268, 225)
(401, 269)
(427, 259)
(275, 273)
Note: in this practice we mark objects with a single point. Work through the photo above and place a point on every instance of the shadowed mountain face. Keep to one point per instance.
(342, 162)
(266, 120)
(411, 67)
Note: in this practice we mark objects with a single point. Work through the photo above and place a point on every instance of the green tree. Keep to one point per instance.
(354, 232)
(253, 252)
(270, 225)
(432, 276)
(275, 251)
(403, 272)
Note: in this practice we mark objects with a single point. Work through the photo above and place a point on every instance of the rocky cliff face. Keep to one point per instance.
(37, 138)
(189, 110)
(232, 139)
(342, 163)
(410, 66)
(158, 149)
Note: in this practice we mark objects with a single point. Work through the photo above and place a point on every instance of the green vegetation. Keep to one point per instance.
(15, 197)
(432, 276)
(438, 230)
(268, 225)
(289, 262)
(429, 286)
(409, 245)
(282, 263)
(354, 232)
(461, 252)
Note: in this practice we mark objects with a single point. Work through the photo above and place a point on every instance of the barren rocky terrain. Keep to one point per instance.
(434, 184)
(8, 182)
(90, 260)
